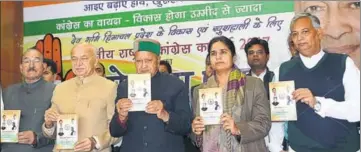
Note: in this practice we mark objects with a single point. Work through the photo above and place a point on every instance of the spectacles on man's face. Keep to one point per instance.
(258, 52)
(28, 61)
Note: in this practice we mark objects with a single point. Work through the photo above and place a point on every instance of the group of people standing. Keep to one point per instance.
(326, 93)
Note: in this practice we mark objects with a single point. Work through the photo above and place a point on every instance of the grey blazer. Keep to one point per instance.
(254, 119)
(32, 100)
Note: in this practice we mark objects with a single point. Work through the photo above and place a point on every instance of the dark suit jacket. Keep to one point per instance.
(144, 132)
(32, 100)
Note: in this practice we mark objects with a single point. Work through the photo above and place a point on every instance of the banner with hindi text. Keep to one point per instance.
(183, 28)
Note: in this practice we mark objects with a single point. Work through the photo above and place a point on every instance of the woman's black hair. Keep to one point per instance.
(226, 41)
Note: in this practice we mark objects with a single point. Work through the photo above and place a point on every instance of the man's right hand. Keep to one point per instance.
(198, 126)
(51, 116)
(123, 107)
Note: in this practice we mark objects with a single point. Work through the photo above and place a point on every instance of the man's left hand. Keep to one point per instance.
(85, 145)
(27, 137)
(304, 95)
(156, 107)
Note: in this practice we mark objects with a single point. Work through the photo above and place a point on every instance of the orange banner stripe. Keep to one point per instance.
(41, 3)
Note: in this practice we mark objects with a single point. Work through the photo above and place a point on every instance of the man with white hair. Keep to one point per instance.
(89, 96)
(161, 127)
(32, 97)
(327, 90)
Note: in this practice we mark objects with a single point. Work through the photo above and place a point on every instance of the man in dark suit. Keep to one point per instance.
(167, 117)
(32, 97)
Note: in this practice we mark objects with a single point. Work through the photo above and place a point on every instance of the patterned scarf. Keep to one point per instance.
(215, 139)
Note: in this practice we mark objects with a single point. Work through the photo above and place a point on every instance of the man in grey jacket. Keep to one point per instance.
(32, 97)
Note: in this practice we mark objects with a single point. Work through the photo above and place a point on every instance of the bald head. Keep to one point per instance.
(91, 49)
(31, 66)
(83, 59)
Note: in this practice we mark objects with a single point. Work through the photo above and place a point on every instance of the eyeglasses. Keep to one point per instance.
(29, 61)
(259, 52)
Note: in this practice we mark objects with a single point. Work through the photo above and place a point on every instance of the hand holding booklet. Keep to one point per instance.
(283, 107)
(66, 131)
(139, 91)
(10, 121)
(211, 105)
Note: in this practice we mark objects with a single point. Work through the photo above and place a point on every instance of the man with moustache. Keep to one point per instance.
(167, 117)
(327, 90)
(32, 97)
(340, 21)
(89, 96)
(257, 52)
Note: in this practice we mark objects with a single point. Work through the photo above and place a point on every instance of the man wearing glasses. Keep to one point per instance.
(32, 97)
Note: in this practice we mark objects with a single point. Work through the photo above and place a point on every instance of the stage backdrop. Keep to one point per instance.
(183, 29)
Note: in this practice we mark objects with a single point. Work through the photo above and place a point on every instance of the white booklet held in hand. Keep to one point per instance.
(10, 121)
(283, 107)
(66, 131)
(211, 105)
(139, 91)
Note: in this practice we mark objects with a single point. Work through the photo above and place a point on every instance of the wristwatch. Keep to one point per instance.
(317, 106)
(36, 139)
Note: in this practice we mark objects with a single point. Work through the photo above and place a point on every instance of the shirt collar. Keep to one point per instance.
(261, 74)
(32, 85)
(85, 80)
(310, 62)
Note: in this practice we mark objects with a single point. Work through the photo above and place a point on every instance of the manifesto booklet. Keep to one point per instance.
(210, 104)
(66, 131)
(139, 91)
(10, 126)
(283, 107)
